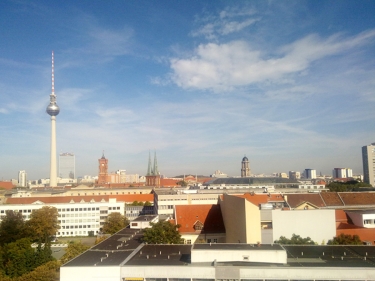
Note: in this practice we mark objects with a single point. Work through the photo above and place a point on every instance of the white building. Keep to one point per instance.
(368, 159)
(22, 178)
(310, 174)
(340, 173)
(76, 218)
(165, 200)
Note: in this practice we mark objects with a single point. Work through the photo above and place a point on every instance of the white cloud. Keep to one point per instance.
(220, 67)
(228, 21)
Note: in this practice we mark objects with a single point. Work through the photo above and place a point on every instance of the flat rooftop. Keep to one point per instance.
(125, 248)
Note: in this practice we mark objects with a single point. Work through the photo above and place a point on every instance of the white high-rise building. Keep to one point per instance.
(294, 175)
(67, 166)
(368, 158)
(22, 178)
(310, 174)
(342, 173)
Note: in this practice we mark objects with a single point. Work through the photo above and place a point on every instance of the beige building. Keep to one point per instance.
(241, 219)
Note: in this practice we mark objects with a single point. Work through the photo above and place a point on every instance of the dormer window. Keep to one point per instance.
(198, 226)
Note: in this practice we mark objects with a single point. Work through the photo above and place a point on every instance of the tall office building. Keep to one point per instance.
(368, 159)
(67, 166)
(22, 178)
(310, 174)
(245, 167)
(53, 110)
(340, 173)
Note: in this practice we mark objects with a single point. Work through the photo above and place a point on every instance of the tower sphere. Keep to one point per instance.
(53, 109)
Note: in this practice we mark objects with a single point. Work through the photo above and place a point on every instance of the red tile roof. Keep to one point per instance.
(365, 234)
(209, 215)
(258, 199)
(6, 184)
(331, 199)
(358, 198)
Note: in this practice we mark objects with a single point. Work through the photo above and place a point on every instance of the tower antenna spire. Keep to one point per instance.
(53, 74)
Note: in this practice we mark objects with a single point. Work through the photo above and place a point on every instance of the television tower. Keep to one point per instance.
(53, 110)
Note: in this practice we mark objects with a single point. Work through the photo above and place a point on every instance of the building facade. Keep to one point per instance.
(368, 159)
(67, 166)
(22, 178)
(342, 173)
(310, 174)
(245, 167)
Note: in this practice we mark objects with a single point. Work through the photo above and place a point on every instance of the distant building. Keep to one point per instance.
(341, 173)
(219, 174)
(294, 175)
(368, 158)
(22, 178)
(310, 174)
(245, 168)
(67, 166)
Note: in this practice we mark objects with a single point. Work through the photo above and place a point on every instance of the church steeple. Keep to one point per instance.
(149, 170)
(156, 172)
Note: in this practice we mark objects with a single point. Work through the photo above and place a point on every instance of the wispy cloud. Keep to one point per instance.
(223, 67)
(230, 20)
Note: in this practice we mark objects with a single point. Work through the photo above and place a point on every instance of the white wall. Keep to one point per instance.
(319, 225)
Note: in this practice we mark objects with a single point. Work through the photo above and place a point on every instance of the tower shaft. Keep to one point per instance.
(53, 171)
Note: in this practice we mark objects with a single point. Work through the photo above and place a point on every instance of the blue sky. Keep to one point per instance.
(289, 84)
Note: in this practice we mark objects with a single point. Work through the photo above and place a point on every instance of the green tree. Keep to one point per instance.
(19, 257)
(43, 224)
(162, 232)
(46, 272)
(295, 240)
(114, 222)
(12, 227)
(74, 249)
(345, 239)
(147, 203)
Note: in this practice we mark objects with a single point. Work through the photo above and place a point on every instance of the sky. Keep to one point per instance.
(289, 84)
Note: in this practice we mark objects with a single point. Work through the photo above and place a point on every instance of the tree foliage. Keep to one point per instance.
(73, 250)
(345, 239)
(346, 186)
(162, 232)
(12, 227)
(114, 222)
(295, 240)
(43, 224)
(46, 272)
(18, 257)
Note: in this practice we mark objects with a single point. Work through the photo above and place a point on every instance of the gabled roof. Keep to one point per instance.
(295, 200)
(209, 215)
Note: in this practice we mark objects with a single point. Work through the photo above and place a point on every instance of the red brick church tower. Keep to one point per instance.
(153, 175)
(103, 170)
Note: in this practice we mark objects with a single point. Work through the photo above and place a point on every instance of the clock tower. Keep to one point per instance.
(103, 170)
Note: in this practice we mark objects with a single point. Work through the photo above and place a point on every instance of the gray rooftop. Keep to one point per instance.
(253, 181)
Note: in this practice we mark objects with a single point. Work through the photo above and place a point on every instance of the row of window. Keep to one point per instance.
(79, 220)
(79, 226)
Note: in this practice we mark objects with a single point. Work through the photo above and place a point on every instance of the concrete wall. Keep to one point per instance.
(88, 273)
(319, 225)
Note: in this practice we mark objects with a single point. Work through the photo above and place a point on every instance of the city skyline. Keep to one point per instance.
(288, 84)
